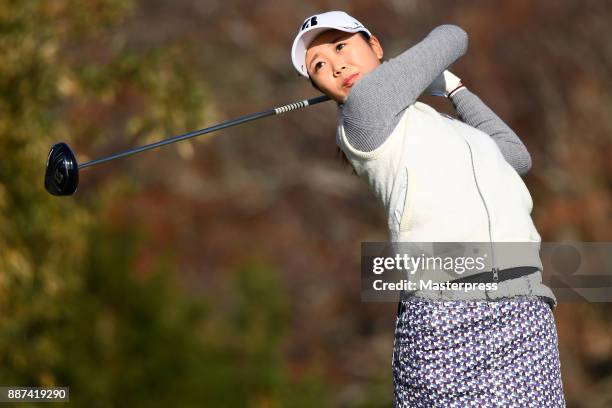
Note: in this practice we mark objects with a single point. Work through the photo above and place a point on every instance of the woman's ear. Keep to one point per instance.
(376, 46)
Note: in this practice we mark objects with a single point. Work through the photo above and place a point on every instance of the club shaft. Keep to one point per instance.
(234, 122)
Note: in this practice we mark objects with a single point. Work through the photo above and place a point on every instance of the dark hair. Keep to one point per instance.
(339, 153)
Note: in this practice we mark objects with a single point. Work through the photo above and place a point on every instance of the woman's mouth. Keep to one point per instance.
(350, 80)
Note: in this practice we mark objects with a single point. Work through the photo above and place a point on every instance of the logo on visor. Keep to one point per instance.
(355, 26)
(312, 21)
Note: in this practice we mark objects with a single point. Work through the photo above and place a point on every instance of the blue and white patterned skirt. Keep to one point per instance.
(476, 353)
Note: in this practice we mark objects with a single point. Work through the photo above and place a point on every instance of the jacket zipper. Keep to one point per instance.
(495, 269)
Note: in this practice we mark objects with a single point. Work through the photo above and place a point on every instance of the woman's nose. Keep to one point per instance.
(339, 68)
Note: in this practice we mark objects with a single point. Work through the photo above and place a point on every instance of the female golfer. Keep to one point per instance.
(447, 180)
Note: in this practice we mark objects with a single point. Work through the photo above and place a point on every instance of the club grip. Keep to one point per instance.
(301, 104)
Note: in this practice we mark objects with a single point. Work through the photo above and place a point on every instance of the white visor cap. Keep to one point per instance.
(314, 26)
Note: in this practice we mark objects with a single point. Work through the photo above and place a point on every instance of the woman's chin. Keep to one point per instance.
(341, 95)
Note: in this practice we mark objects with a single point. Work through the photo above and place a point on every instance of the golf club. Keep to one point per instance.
(62, 169)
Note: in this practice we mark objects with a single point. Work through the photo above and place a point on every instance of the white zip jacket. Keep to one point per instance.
(438, 178)
(441, 180)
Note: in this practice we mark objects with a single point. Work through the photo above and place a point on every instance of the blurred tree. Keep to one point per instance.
(73, 309)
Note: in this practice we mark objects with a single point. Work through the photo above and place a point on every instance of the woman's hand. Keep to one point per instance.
(445, 85)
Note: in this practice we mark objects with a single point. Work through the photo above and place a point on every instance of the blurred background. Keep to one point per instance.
(224, 271)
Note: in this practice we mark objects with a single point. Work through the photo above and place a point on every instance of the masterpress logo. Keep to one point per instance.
(403, 263)
(563, 272)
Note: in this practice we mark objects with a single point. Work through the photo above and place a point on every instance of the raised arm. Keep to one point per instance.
(371, 109)
(473, 111)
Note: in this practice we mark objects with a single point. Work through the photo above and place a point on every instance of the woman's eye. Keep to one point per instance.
(340, 46)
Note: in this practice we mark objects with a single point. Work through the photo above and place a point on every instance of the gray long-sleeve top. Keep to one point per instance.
(395, 86)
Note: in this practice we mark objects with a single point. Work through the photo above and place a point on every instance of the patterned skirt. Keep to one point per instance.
(476, 353)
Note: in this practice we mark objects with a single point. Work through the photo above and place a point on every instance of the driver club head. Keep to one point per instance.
(62, 172)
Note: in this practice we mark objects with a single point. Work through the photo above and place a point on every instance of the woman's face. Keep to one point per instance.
(336, 60)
